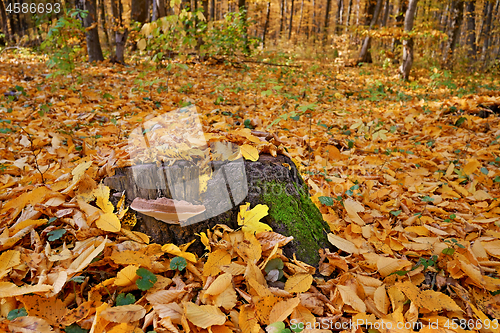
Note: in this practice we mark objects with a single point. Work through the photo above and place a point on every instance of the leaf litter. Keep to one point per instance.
(407, 177)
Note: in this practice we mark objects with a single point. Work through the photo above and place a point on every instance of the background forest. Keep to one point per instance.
(445, 32)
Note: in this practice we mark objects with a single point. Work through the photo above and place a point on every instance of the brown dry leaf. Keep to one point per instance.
(124, 313)
(349, 297)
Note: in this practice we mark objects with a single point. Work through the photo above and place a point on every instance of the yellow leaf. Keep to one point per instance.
(9, 289)
(108, 222)
(351, 298)
(471, 167)
(299, 283)
(249, 219)
(343, 244)
(220, 284)
(101, 194)
(172, 249)
(214, 262)
(353, 207)
(283, 309)
(250, 153)
(141, 44)
(204, 315)
(127, 276)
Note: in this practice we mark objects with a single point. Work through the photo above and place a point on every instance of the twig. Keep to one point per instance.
(9, 48)
(34, 154)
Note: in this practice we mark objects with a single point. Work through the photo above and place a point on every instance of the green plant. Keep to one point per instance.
(146, 280)
(178, 263)
(452, 245)
(63, 42)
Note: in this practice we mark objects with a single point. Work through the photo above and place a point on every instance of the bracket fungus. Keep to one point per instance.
(167, 210)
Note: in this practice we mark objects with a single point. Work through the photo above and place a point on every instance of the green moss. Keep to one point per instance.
(296, 216)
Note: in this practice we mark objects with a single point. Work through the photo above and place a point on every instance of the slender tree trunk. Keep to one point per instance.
(327, 21)
(266, 24)
(471, 30)
(348, 18)
(339, 17)
(290, 25)
(92, 32)
(121, 33)
(212, 10)
(400, 17)
(204, 4)
(313, 18)
(485, 32)
(300, 20)
(364, 54)
(386, 13)
(282, 18)
(102, 17)
(408, 43)
(456, 17)
(5, 26)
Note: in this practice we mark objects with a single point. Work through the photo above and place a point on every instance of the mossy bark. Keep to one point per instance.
(273, 181)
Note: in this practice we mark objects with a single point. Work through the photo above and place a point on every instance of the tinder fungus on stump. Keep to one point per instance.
(272, 181)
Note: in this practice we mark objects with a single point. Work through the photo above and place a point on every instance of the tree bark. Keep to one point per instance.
(266, 181)
(373, 13)
(408, 42)
(139, 10)
(282, 18)
(327, 21)
(102, 17)
(400, 17)
(339, 17)
(386, 13)
(471, 31)
(5, 26)
(266, 24)
(212, 10)
(204, 4)
(456, 17)
(301, 16)
(485, 32)
(92, 32)
(348, 18)
(290, 25)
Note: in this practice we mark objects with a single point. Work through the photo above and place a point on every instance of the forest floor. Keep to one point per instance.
(407, 175)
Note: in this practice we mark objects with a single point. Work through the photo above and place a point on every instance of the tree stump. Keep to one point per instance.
(272, 181)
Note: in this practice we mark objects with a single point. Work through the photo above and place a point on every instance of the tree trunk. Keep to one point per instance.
(290, 25)
(348, 18)
(5, 26)
(400, 17)
(92, 32)
(212, 10)
(456, 17)
(204, 4)
(471, 31)
(339, 16)
(312, 29)
(266, 24)
(485, 31)
(102, 17)
(408, 41)
(301, 16)
(327, 21)
(386, 13)
(373, 13)
(139, 10)
(266, 181)
(282, 18)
